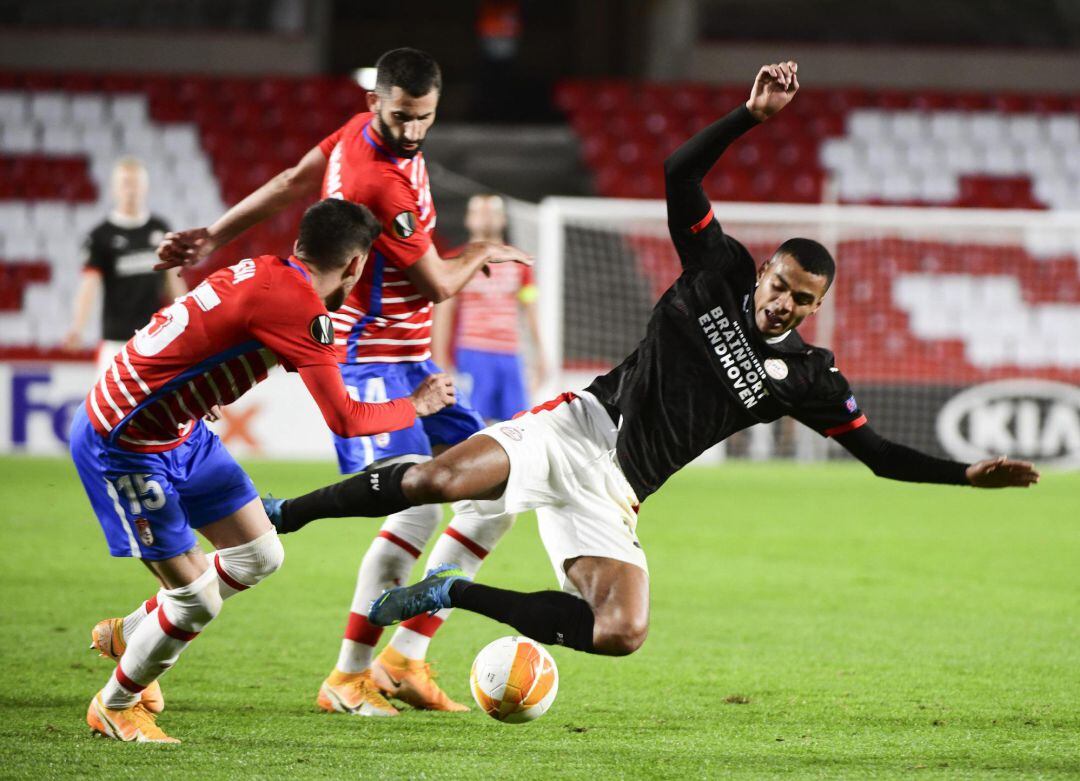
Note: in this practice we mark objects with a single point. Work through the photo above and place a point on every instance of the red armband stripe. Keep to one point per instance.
(846, 427)
(701, 224)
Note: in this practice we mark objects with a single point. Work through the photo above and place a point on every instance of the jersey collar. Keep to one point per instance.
(294, 261)
(780, 338)
(126, 222)
(371, 135)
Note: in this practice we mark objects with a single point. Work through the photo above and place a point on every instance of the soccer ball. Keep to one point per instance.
(514, 679)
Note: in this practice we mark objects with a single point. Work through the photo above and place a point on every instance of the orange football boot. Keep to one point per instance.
(412, 681)
(353, 693)
(134, 724)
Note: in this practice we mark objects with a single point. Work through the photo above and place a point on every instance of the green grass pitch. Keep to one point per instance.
(807, 622)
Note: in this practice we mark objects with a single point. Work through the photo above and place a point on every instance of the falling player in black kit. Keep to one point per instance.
(719, 355)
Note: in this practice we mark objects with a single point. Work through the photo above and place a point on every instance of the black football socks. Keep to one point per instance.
(372, 493)
(550, 617)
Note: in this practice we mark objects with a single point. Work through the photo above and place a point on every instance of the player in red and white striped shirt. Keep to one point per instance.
(480, 324)
(154, 472)
(383, 337)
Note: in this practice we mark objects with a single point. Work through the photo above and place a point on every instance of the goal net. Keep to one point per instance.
(959, 329)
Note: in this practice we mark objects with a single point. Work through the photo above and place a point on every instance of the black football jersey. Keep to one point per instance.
(704, 371)
(125, 257)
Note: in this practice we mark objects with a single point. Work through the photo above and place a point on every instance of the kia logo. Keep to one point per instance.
(1037, 420)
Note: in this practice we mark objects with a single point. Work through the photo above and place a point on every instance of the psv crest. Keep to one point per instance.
(322, 330)
(405, 225)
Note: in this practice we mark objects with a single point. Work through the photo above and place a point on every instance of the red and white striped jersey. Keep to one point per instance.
(210, 347)
(487, 309)
(385, 319)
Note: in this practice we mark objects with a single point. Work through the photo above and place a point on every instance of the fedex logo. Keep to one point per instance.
(38, 403)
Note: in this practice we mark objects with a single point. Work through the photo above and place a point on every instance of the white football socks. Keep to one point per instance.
(464, 543)
(181, 614)
(388, 562)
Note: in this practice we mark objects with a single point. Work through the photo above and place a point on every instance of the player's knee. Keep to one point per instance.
(251, 563)
(622, 640)
(190, 608)
(620, 637)
(432, 481)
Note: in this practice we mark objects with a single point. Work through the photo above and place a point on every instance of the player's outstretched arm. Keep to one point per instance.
(439, 279)
(688, 206)
(188, 247)
(347, 417)
(899, 462)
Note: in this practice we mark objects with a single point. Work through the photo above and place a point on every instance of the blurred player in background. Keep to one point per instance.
(720, 353)
(119, 260)
(480, 324)
(383, 336)
(154, 472)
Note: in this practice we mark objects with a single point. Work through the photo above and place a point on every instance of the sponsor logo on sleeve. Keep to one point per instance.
(850, 404)
(322, 330)
(405, 225)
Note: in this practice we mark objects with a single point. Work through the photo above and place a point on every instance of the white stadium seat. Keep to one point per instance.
(19, 137)
(12, 107)
(128, 110)
(50, 108)
(60, 139)
(89, 110)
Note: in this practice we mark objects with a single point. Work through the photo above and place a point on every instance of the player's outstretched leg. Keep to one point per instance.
(400, 669)
(373, 493)
(474, 469)
(611, 617)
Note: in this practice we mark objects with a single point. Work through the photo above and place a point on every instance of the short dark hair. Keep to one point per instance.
(812, 256)
(416, 72)
(334, 230)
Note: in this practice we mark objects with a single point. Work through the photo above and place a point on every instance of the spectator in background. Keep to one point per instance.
(480, 324)
(119, 258)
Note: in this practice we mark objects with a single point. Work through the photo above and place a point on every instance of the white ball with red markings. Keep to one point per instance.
(514, 680)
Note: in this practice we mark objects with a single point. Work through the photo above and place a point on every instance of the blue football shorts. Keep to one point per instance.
(149, 503)
(496, 382)
(376, 382)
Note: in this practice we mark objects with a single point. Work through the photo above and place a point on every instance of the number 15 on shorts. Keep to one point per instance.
(140, 492)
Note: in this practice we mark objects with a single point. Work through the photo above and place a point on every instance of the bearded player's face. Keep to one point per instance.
(786, 295)
(403, 120)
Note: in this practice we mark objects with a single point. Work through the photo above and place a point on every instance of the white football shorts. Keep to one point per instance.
(562, 464)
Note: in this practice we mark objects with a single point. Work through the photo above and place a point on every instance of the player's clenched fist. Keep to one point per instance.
(773, 89)
(184, 248)
(434, 393)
